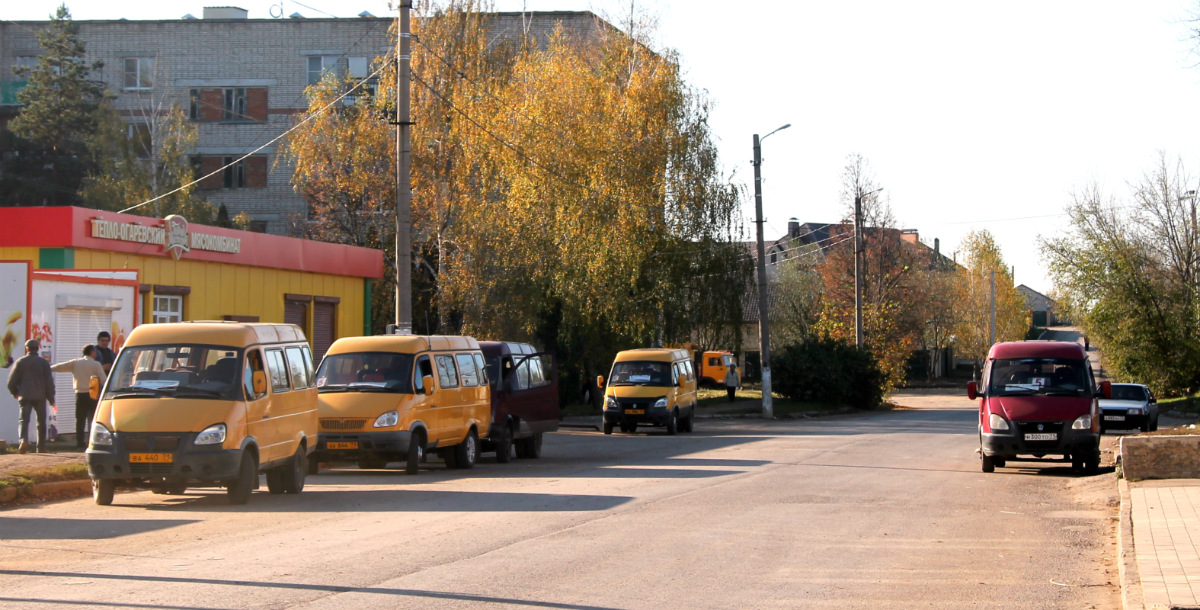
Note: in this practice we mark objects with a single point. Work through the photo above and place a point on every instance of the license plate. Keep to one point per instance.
(1041, 437)
(151, 458)
(635, 411)
(341, 445)
(1114, 418)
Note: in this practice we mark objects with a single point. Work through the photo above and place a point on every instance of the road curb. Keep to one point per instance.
(59, 489)
(1131, 583)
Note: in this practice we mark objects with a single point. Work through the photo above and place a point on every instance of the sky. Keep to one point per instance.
(971, 115)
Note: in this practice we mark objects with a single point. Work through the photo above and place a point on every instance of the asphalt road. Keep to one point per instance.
(882, 510)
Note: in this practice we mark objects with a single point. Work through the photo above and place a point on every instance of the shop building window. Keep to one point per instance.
(168, 308)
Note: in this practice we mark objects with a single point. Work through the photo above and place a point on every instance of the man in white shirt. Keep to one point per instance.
(83, 369)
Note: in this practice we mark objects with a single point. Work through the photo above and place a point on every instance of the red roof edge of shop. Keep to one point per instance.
(70, 227)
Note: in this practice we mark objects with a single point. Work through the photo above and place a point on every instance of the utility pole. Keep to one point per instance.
(764, 329)
(992, 335)
(403, 176)
(858, 330)
(858, 252)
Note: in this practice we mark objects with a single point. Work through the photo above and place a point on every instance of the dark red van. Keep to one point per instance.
(1039, 399)
(524, 398)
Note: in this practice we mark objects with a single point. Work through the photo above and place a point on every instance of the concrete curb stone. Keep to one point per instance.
(1131, 584)
(59, 489)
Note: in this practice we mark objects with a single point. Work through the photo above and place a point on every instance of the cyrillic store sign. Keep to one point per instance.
(173, 236)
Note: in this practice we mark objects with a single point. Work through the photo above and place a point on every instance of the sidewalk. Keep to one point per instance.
(1160, 544)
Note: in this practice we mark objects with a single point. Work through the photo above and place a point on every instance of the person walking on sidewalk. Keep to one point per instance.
(731, 380)
(31, 383)
(83, 369)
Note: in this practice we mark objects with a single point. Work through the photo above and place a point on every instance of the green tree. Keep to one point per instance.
(60, 113)
(1127, 274)
(972, 325)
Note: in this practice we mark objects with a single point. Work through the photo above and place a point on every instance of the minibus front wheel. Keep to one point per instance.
(239, 489)
(103, 490)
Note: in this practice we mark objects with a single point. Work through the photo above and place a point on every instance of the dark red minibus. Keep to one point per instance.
(524, 398)
(1039, 399)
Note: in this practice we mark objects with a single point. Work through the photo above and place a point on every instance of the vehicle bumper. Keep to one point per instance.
(1126, 421)
(650, 415)
(394, 443)
(1067, 442)
(188, 462)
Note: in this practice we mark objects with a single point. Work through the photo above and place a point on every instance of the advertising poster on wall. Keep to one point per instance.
(14, 323)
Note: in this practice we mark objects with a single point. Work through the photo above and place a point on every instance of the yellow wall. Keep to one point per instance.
(221, 289)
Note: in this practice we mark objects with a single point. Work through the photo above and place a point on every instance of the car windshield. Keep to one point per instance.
(641, 373)
(1052, 376)
(366, 372)
(183, 370)
(1128, 392)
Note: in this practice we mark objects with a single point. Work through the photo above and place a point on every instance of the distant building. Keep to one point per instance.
(1040, 306)
(240, 80)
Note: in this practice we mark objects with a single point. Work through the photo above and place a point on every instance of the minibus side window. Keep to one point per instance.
(277, 370)
(424, 368)
(296, 368)
(466, 367)
(253, 365)
(308, 363)
(482, 369)
(447, 375)
(675, 374)
(537, 377)
(523, 376)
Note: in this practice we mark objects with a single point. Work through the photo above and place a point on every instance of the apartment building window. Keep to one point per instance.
(235, 105)
(167, 308)
(140, 139)
(318, 65)
(139, 73)
(235, 173)
(194, 104)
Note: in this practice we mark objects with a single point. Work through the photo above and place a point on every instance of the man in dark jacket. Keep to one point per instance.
(31, 383)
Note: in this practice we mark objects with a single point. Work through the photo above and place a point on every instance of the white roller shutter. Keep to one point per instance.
(74, 329)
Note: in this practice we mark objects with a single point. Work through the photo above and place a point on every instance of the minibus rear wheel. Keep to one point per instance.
(530, 447)
(466, 452)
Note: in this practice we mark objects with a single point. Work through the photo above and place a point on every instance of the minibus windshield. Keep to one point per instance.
(641, 373)
(366, 372)
(1048, 376)
(181, 370)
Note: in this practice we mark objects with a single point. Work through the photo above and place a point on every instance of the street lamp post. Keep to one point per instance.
(764, 329)
(858, 250)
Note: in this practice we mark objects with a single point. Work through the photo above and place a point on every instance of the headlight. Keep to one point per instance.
(101, 437)
(997, 423)
(1083, 422)
(387, 420)
(661, 404)
(212, 435)
(1135, 411)
(611, 404)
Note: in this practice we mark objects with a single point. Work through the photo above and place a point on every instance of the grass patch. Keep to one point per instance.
(1184, 404)
(62, 472)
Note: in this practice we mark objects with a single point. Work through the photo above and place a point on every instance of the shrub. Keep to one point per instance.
(826, 370)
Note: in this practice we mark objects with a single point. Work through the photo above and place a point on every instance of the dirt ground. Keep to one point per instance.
(12, 462)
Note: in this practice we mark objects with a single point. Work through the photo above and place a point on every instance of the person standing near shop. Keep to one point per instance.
(82, 370)
(31, 383)
(104, 355)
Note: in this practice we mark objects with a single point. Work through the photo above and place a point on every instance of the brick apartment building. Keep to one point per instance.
(241, 80)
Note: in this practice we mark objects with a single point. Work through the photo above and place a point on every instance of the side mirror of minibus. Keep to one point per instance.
(427, 381)
(972, 390)
(1105, 389)
(600, 381)
(260, 383)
